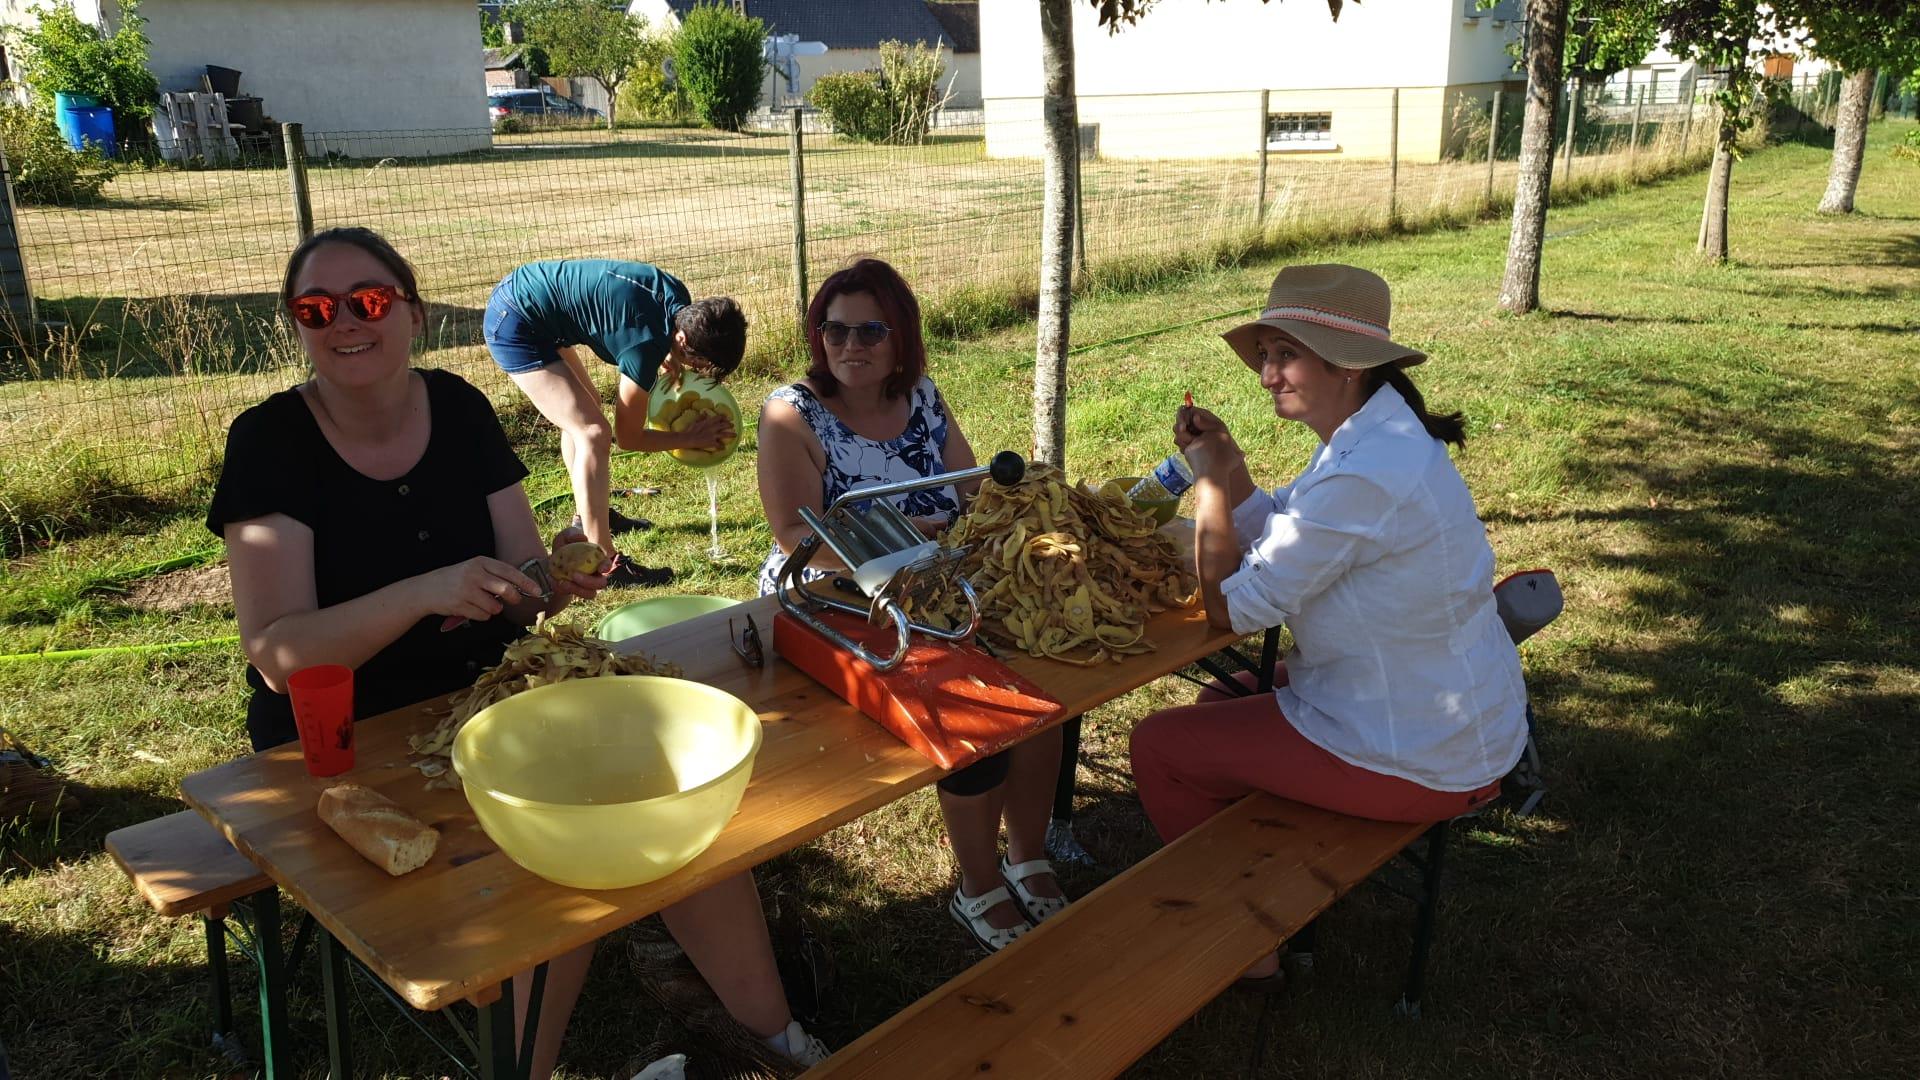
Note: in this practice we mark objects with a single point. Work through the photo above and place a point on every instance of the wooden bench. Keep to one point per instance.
(1093, 989)
(181, 865)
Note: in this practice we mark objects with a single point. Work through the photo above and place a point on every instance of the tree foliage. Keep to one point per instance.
(586, 38)
(1856, 35)
(62, 54)
(648, 90)
(1605, 36)
(718, 57)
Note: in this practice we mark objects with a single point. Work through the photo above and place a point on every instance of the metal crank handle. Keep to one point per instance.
(1006, 468)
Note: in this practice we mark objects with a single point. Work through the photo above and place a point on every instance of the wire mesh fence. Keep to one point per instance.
(158, 300)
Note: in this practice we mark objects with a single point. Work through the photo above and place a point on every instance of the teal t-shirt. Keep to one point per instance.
(623, 311)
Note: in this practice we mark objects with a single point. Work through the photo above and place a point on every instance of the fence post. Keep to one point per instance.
(1079, 212)
(1260, 176)
(294, 139)
(1686, 127)
(1573, 116)
(1633, 141)
(796, 154)
(1393, 163)
(1493, 143)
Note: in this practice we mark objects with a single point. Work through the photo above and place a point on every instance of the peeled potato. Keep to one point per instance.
(580, 557)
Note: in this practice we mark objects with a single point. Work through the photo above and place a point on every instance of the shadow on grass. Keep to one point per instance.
(1742, 744)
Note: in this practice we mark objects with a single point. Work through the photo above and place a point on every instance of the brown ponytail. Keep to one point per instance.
(1450, 427)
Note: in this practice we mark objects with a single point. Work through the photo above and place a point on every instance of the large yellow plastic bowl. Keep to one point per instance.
(629, 620)
(702, 387)
(607, 782)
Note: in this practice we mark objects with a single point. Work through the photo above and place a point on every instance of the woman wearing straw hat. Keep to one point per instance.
(1401, 699)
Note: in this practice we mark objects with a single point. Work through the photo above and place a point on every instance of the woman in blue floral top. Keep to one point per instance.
(867, 414)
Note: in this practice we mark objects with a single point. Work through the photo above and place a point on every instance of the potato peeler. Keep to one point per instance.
(889, 562)
(535, 568)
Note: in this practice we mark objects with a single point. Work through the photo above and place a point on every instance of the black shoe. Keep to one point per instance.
(627, 572)
(620, 523)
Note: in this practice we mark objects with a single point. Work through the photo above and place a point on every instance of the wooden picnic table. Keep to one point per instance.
(460, 927)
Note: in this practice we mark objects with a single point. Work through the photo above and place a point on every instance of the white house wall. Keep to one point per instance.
(1185, 81)
(1193, 45)
(407, 68)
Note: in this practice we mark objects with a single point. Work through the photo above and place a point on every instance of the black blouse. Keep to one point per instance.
(368, 534)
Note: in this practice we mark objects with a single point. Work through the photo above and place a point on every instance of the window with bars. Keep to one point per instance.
(1299, 131)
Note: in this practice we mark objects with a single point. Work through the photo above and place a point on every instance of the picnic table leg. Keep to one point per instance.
(1062, 847)
(497, 1058)
(1409, 1004)
(274, 1045)
(333, 983)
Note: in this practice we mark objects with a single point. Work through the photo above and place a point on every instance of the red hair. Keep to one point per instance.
(902, 312)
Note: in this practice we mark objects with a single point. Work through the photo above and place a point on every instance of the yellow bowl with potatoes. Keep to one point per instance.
(678, 407)
(607, 782)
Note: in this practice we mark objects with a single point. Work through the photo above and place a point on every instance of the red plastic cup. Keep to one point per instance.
(323, 711)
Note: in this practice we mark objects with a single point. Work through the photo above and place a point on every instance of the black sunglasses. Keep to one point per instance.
(871, 333)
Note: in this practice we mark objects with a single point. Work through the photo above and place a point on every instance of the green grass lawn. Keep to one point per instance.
(1721, 465)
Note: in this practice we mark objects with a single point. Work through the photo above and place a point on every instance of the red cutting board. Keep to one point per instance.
(952, 703)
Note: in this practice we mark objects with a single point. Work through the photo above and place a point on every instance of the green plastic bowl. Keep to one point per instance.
(630, 620)
(1161, 509)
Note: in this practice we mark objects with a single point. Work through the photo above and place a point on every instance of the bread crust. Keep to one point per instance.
(378, 828)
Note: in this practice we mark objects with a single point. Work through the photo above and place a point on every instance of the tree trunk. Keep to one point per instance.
(1713, 218)
(1060, 115)
(1849, 143)
(1520, 288)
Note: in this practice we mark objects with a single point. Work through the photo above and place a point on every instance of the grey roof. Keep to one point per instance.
(502, 59)
(848, 24)
(961, 20)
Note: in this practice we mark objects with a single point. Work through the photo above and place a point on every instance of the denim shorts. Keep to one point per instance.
(512, 339)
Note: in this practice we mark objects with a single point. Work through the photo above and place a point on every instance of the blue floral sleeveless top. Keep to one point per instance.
(855, 461)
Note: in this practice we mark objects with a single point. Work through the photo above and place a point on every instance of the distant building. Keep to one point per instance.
(1185, 82)
(852, 31)
(361, 66)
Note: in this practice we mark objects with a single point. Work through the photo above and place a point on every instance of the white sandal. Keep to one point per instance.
(968, 911)
(1038, 908)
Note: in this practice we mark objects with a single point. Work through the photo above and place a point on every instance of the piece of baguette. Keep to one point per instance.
(377, 827)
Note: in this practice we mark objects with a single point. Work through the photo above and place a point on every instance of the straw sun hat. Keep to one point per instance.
(1340, 312)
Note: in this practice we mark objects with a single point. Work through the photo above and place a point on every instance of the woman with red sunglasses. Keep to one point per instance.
(374, 517)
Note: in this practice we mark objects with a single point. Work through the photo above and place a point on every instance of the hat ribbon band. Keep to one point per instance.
(1329, 319)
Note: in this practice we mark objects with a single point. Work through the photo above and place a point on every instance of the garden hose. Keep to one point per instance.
(111, 650)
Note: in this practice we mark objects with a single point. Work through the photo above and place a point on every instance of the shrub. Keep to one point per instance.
(61, 53)
(1909, 148)
(910, 78)
(854, 103)
(648, 93)
(717, 57)
(892, 105)
(45, 169)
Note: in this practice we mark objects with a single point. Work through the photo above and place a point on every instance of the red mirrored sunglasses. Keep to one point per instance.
(369, 303)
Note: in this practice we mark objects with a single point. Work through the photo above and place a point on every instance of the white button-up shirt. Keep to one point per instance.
(1376, 561)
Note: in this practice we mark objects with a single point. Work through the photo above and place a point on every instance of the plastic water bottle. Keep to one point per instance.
(1173, 475)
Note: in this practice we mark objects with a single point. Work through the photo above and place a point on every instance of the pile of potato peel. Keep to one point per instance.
(551, 653)
(1066, 573)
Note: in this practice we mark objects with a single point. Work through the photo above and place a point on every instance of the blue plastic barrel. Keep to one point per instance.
(82, 120)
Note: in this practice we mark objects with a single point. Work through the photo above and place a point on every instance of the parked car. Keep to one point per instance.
(540, 101)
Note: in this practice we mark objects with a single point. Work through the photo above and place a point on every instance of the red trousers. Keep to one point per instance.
(1192, 762)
